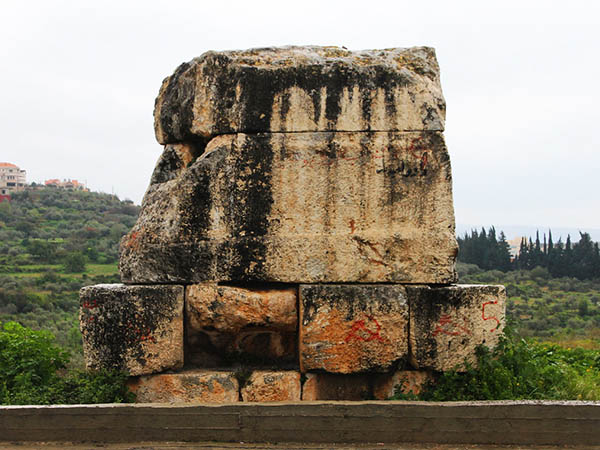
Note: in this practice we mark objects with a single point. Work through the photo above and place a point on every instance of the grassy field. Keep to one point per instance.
(562, 311)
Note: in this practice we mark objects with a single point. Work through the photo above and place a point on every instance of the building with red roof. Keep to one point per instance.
(12, 179)
(71, 185)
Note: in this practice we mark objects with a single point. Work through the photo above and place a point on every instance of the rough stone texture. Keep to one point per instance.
(186, 387)
(233, 322)
(138, 329)
(297, 208)
(299, 89)
(448, 323)
(327, 386)
(272, 387)
(352, 328)
(407, 381)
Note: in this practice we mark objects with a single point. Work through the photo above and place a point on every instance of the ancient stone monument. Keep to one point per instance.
(296, 241)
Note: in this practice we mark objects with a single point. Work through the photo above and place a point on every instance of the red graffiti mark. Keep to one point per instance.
(88, 304)
(451, 326)
(490, 317)
(360, 332)
(147, 337)
(352, 226)
(142, 334)
(90, 319)
(132, 241)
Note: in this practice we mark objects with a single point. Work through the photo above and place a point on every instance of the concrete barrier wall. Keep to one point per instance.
(538, 423)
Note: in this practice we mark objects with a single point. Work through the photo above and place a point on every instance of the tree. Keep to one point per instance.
(503, 254)
(74, 262)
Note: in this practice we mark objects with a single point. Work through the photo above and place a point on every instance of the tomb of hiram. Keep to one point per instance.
(296, 241)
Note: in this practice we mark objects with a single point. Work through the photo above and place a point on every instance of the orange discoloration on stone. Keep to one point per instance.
(228, 308)
(348, 329)
(272, 387)
(186, 387)
(261, 323)
(406, 381)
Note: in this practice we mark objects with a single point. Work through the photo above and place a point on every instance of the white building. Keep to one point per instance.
(12, 178)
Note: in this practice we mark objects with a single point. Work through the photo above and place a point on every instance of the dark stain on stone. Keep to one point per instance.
(356, 299)
(258, 87)
(168, 165)
(124, 319)
(285, 107)
(196, 204)
(176, 114)
(250, 201)
(365, 96)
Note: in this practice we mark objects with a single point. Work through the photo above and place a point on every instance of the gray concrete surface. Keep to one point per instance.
(296, 446)
(343, 423)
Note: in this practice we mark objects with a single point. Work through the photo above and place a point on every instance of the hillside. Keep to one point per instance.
(53, 242)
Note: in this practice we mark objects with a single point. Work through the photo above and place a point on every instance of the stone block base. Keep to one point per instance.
(186, 387)
(225, 323)
(252, 344)
(138, 329)
(352, 328)
(448, 323)
(272, 387)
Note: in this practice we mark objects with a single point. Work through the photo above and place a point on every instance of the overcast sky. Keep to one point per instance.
(520, 78)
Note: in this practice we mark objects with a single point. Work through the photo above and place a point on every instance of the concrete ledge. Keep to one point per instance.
(506, 422)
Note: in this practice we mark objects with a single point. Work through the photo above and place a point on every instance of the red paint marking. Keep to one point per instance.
(88, 304)
(451, 327)
(491, 317)
(352, 227)
(360, 326)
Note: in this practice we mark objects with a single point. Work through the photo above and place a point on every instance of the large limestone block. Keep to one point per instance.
(138, 329)
(272, 386)
(229, 323)
(298, 208)
(299, 89)
(352, 328)
(448, 323)
(191, 386)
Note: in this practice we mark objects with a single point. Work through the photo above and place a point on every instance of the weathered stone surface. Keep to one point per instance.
(299, 89)
(448, 323)
(406, 381)
(138, 329)
(272, 387)
(303, 207)
(352, 328)
(186, 387)
(229, 322)
(327, 386)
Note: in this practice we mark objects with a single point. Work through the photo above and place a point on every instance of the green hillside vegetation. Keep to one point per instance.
(52, 243)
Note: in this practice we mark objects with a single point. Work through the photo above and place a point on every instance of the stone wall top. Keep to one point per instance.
(298, 89)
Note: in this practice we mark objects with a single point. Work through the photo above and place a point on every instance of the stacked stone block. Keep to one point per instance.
(296, 241)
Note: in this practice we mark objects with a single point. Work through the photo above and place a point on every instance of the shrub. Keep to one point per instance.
(30, 365)
(522, 369)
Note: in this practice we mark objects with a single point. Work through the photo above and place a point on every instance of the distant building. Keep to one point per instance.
(12, 179)
(71, 185)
